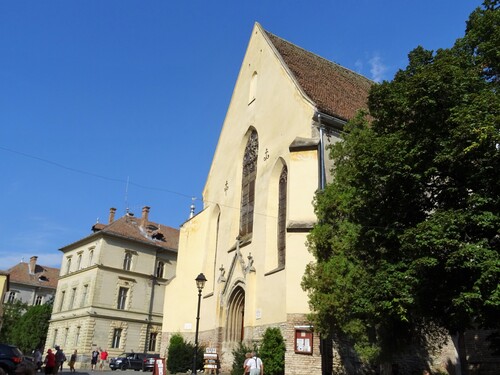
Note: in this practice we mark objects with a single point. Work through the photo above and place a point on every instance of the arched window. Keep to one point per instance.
(248, 184)
(159, 269)
(282, 217)
(127, 261)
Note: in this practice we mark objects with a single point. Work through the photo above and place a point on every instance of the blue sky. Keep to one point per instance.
(97, 93)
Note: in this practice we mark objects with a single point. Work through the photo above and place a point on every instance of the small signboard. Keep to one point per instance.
(303, 341)
(159, 367)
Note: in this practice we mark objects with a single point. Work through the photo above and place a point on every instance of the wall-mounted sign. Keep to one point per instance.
(303, 341)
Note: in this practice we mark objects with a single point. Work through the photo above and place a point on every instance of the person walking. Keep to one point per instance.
(104, 359)
(255, 365)
(247, 358)
(37, 357)
(59, 359)
(72, 361)
(93, 359)
(50, 362)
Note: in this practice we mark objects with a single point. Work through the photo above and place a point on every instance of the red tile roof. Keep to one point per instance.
(153, 233)
(336, 91)
(43, 276)
(129, 227)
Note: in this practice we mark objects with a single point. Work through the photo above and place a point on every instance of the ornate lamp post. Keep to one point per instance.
(200, 283)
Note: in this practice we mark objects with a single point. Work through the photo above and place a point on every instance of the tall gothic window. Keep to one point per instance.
(248, 184)
(282, 217)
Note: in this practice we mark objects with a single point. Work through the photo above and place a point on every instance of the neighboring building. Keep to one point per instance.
(31, 283)
(288, 105)
(111, 288)
(4, 287)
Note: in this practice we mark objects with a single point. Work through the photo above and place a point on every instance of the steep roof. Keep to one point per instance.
(43, 276)
(336, 91)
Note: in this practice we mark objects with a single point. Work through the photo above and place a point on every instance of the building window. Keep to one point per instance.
(68, 265)
(282, 217)
(54, 342)
(38, 300)
(91, 256)
(79, 262)
(153, 336)
(61, 303)
(127, 261)
(66, 332)
(248, 184)
(72, 299)
(12, 297)
(84, 295)
(159, 269)
(77, 335)
(122, 298)
(117, 334)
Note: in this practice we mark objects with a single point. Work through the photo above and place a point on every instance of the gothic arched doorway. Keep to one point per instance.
(236, 315)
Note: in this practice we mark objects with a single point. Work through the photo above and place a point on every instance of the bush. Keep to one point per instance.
(272, 352)
(180, 355)
(239, 358)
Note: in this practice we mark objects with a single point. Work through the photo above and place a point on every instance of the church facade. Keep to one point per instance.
(250, 238)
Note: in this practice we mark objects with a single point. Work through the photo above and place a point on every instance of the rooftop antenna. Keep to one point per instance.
(191, 211)
(126, 197)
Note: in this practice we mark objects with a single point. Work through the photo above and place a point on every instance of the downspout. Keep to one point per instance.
(321, 161)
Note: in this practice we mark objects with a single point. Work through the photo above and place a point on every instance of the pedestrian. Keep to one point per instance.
(93, 359)
(37, 358)
(50, 362)
(104, 358)
(247, 358)
(72, 361)
(60, 358)
(255, 365)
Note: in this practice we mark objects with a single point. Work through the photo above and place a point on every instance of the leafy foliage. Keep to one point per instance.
(11, 316)
(272, 352)
(25, 326)
(180, 355)
(408, 233)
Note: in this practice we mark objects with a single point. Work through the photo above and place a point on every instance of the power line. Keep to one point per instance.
(80, 171)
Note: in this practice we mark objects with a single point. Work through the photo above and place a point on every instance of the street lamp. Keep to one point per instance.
(200, 283)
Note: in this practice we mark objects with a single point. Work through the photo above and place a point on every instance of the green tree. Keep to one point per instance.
(181, 353)
(11, 315)
(31, 329)
(272, 352)
(408, 233)
(26, 326)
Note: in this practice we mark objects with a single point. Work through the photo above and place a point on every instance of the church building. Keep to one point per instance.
(249, 240)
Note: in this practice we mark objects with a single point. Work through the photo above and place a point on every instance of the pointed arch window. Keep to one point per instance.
(248, 184)
(282, 217)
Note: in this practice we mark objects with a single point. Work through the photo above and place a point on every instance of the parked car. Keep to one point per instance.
(10, 358)
(148, 363)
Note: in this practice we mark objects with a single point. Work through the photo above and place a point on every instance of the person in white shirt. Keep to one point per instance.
(255, 365)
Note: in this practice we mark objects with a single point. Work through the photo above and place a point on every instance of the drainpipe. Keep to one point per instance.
(150, 313)
(321, 166)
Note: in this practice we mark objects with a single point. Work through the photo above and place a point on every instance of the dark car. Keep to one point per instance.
(125, 361)
(148, 363)
(10, 358)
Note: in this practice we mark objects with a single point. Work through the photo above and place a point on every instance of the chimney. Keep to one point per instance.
(145, 214)
(32, 265)
(112, 211)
